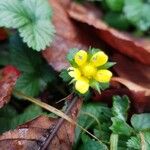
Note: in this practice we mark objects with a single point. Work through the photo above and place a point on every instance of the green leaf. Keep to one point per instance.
(134, 143)
(137, 12)
(101, 112)
(120, 127)
(95, 85)
(145, 140)
(12, 14)
(115, 5)
(117, 20)
(89, 144)
(34, 27)
(70, 56)
(10, 119)
(120, 107)
(65, 76)
(119, 110)
(36, 74)
(141, 121)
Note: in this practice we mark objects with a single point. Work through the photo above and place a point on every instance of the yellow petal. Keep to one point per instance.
(81, 57)
(103, 75)
(99, 59)
(89, 70)
(82, 85)
(74, 73)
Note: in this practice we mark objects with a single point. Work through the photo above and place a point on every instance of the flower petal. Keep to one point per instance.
(81, 57)
(82, 85)
(103, 76)
(99, 59)
(74, 73)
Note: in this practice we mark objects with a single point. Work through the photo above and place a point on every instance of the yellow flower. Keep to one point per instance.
(89, 70)
(74, 73)
(99, 59)
(81, 57)
(86, 71)
(103, 76)
(82, 85)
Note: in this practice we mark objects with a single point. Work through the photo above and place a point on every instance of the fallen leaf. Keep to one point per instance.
(68, 35)
(32, 135)
(132, 86)
(8, 78)
(137, 48)
(132, 70)
(3, 34)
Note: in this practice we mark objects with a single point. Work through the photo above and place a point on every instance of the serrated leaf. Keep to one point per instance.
(134, 143)
(38, 35)
(141, 121)
(36, 74)
(34, 27)
(120, 127)
(120, 107)
(12, 14)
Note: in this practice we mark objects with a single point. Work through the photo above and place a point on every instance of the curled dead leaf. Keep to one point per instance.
(8, 78)
(132, 70)
(34, 134)
(137, 48)
(68, 35)
(132, 86)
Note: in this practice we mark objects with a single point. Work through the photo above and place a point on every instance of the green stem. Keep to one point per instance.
(114, 141)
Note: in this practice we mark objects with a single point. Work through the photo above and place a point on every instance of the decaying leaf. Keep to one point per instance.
(132, 70)
(137, 48)
(3, 34)
(68, 35)
(8, 78)
(33, 135)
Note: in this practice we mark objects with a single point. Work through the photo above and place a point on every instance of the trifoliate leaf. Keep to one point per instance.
(134, 143)
(31, 18)
(141, 121)
(120, 107)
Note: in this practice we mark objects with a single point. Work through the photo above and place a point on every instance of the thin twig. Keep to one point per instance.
(60, 122)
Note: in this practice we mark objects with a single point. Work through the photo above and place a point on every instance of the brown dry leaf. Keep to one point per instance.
(32, 135)
(8, 78)
(68, 35)
(138, 49)
(3, 34)
(132, 70)
(132, 86)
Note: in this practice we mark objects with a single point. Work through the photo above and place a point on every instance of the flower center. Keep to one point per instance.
(89, 71)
